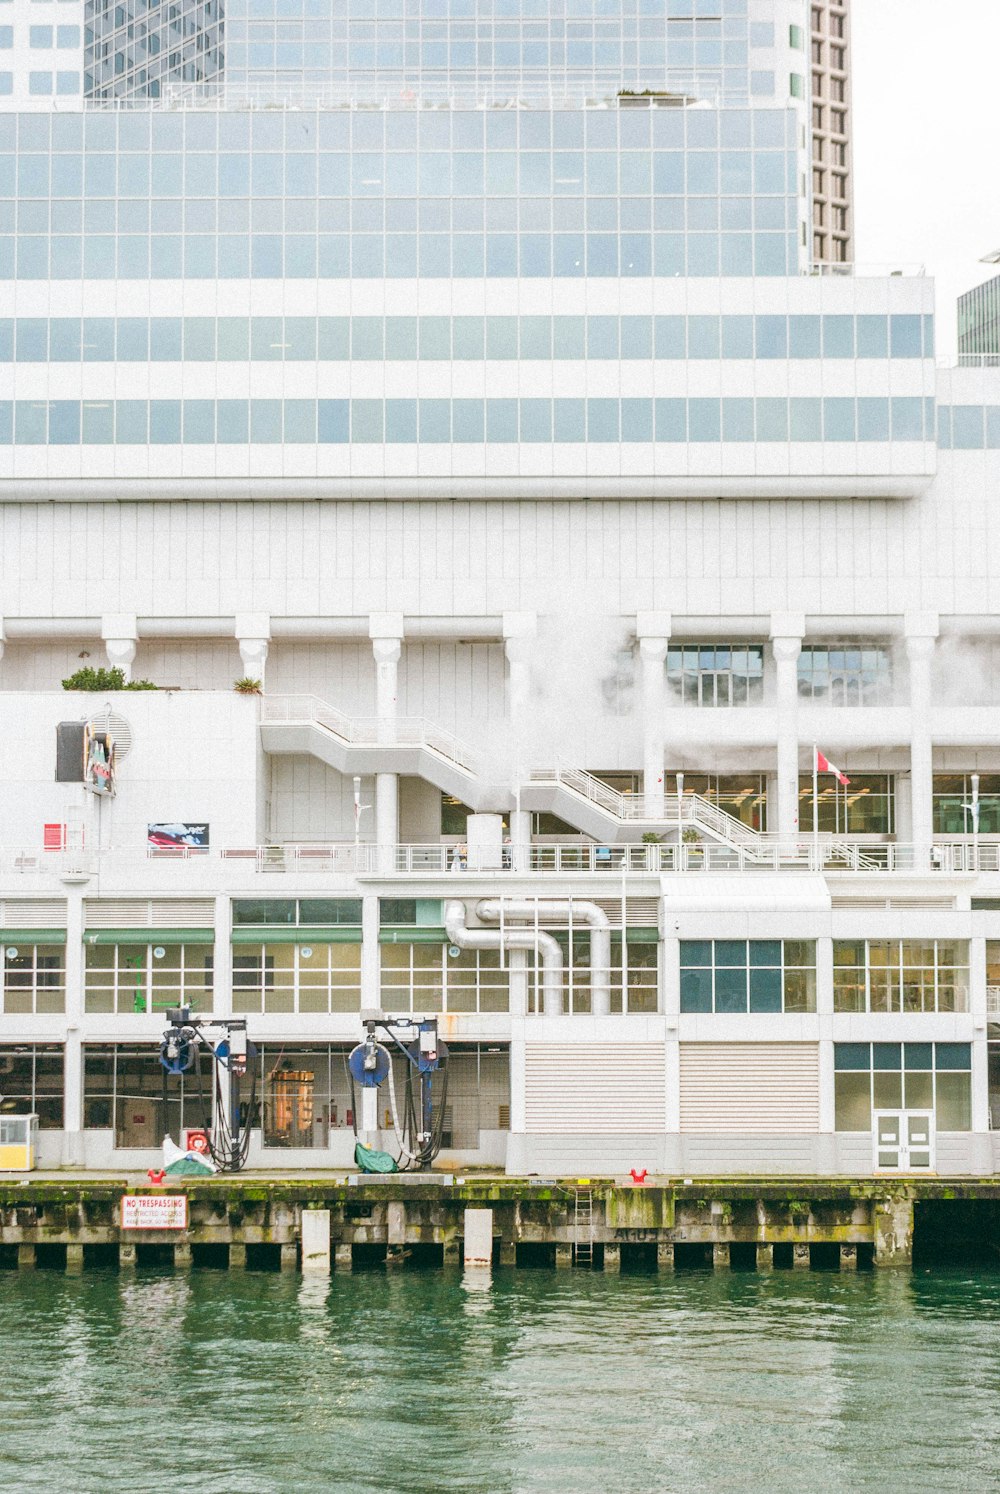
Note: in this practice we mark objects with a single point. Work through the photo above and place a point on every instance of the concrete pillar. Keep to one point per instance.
(450, 1251)
(120, 635)
(253, 636)
(386, 818)
(612, 1259)
(893, 1220)
(3, 638)
(386, 633)
(653, 632)
(316, 1240)
(787, 631)
(478, 1237)
(72, 1145)
(564, 1257)
(26, 1257)
(396, 1223)
(74, 1260)
(848, 1257)
(222, 959)
(126, 1256)
(237, 1256)
(519, 633)
(720, 1256)
(800, 1257)
(765, 1257)
(520, 840)
(508, 1252)
(289, 1256)
(343, 1257)
(921, 630)
(371, 974)
(183, 1256)
(664, 1257)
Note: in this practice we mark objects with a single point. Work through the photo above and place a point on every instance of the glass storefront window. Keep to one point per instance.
(900, 975)
(866, 806)
(756, 975)
(147, 977)
(34, 977)
(31, 1082)
(896, 1076)
(845, 674)
(716, 674)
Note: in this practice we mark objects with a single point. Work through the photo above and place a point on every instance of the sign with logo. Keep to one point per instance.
(154, 1211)
(177, 836)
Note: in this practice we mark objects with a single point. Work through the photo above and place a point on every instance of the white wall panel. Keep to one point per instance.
(311, 802)
(750, 1089)
(342, 674)
(594, 1088)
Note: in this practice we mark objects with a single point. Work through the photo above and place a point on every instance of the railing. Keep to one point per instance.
(370, 731)
(850, 269)
(152, 865)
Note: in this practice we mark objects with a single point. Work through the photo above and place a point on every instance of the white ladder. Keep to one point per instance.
(583, 1227)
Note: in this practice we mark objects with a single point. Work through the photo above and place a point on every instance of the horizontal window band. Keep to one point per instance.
(501, 421)
(283, 933)
(149, 936)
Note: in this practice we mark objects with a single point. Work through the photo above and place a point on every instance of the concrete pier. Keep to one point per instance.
(270, 1224)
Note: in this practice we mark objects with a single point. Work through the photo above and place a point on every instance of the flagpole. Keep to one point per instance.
(815, 808)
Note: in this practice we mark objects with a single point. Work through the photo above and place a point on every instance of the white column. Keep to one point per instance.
(120, 635)
(73, 1057)
(977, 1009)
(371, 974)
(824, 1013)
(519, 631)
(787, 630)
(670, 978)
(653, 632)
(253, 635)
(3, 638)
(386, 632)
(921, 631)
(222, 959)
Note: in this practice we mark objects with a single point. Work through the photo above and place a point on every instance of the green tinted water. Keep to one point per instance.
(541, 1381)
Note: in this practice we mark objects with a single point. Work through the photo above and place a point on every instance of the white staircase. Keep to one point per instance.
(304, 724)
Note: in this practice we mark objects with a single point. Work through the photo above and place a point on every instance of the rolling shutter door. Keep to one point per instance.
(769, 1089)
(594, 1088)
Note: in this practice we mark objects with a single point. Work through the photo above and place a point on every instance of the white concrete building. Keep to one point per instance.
(520, 457)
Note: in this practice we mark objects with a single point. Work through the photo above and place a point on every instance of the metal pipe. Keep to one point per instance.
(488, 909)
(507, 938)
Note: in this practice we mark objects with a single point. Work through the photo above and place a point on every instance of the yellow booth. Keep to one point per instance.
(18, 1142)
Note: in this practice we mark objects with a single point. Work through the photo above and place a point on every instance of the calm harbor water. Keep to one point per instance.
(428, 1380)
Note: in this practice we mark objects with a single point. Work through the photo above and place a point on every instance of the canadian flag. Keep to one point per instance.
(824, 765)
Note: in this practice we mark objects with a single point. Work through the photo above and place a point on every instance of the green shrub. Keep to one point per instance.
(104, 679)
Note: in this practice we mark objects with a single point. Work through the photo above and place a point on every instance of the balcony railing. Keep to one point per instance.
(218, 868)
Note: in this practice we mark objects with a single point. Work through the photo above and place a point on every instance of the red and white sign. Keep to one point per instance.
(154, 1211)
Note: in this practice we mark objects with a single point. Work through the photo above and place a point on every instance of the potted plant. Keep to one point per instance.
(247, 686)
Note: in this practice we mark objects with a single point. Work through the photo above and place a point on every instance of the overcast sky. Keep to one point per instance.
(927, 140)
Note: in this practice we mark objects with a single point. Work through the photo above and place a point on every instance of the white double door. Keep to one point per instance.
(903, 1140)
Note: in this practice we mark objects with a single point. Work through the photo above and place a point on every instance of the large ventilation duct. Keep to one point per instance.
(512, 938)
(489, 910)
